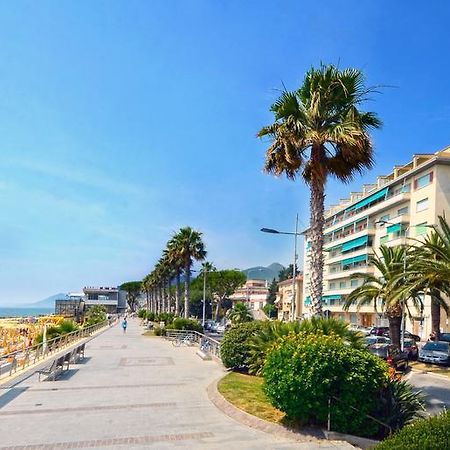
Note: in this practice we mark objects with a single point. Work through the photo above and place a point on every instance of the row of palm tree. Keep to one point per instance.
(185, 247)
(407, 274)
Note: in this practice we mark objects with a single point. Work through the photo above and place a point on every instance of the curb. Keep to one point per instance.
(259, 424)
(308, 435)
(426, 372)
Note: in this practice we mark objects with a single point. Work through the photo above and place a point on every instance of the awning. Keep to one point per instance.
(359, 242)
(325, 298)
(368, 200)
(355, 259)
(394, 228)
(307, 301)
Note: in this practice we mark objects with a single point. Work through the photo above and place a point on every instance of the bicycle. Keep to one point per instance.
(186, 340)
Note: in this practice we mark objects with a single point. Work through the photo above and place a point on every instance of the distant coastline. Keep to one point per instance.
(24, 312)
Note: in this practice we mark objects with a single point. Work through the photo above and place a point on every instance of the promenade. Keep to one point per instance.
(131, 392)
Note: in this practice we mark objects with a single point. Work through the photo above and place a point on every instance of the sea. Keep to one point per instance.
(25, 312)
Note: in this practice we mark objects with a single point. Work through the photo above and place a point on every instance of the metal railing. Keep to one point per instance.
(206, 344)
(20, 359)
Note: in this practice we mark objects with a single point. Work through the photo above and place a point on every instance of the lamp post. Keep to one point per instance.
(402, 325)
(295, 234)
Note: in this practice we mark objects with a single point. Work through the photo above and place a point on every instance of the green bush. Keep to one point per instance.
(151, 316)
(158, 331)
(179, 323)
(424, 434)
(68, 326)
(142, 314)
(165, 317)
(269, 334)
(65, 327)
(235, 345)
(95, 314)
(304, 371)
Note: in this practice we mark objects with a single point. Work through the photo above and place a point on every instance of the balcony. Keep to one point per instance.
(376, 208)
(342, 256)
(350, 236)
(365, 269)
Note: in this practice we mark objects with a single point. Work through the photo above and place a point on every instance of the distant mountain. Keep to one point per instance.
(48, 302)
(263, 273)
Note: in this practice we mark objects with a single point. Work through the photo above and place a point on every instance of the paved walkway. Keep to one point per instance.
(131, 392)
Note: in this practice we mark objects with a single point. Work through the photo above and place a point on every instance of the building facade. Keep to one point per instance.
(399, 206)
(284, 299)
(253, 293)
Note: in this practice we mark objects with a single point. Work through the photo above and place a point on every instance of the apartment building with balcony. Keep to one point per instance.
(398, 206)
(253, 293)
(283, 301)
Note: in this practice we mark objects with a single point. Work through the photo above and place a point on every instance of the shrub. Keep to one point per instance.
(66, 326)
(399, 404)
(303, 371)
(96, 314)
(180, 323)
(235, 346)
(165, 317)
(424, 434)
(142, 313)
(158, 331)
(264, 340)
(151, 316)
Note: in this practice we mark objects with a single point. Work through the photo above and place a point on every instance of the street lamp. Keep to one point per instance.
(402, 326)
(295, 234)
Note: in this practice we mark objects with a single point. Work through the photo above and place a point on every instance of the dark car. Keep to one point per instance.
(445, 337)
(393, 356)
(408, 335)
(379, 331)
(435, 352)
(411, 349)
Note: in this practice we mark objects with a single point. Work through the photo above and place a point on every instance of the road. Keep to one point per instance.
(435, 387)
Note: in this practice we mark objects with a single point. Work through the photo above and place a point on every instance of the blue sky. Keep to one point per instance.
(121, 121)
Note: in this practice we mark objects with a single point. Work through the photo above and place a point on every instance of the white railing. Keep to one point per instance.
(21, 359)
(206, 343)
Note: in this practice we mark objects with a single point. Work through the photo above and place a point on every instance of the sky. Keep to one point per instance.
(122, 121)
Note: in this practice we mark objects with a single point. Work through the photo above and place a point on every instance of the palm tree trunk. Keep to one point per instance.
(316, 234)
(395, 320)
(177, 294)
(435, 313)
(216, 316)
(186, 291)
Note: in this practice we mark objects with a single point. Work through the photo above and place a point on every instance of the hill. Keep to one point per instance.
(48, 302)
(263, 273)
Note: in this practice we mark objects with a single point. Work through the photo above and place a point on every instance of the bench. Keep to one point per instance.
(54, 369)
(80, 351)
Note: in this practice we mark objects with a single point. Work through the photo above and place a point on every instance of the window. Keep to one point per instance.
(422, 205)
(342, 285)
(406, 188)
(354, 283)
(402, 211)
(384, 239)
(423, 181)
(385, 218)
(332, 286)
(421, 228)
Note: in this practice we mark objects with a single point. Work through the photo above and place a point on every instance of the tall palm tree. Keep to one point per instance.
(385, 290)
(189, 246)
(430, 270)
(177, 265)
(318, 132)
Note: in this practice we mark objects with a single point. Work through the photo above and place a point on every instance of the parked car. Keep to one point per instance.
(408, 335)
(371, 340)
(445, 337)
(411, 349)
(435, 352)
(379, 331)
(393, 356)
(362, 329)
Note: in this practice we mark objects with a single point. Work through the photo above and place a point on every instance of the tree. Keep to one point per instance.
(429, 270)
(133, 289)
(272, 295)
(270, 310)
(240, 314)
(223, 283)
(188, 246)
(386, 291)
(286, 273)
(320, 132)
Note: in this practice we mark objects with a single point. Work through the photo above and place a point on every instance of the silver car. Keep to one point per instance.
(435, 352)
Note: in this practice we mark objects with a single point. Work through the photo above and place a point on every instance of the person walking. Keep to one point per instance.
(124, 325)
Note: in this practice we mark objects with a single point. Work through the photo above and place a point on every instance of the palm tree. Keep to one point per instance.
(385, 290)
(240, 314)
(207, 267)
(430, 270)
(189, 246)
(320, 132)
(177, 265)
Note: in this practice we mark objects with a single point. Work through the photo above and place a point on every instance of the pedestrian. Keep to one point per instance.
(124, 325)
(433, 336)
